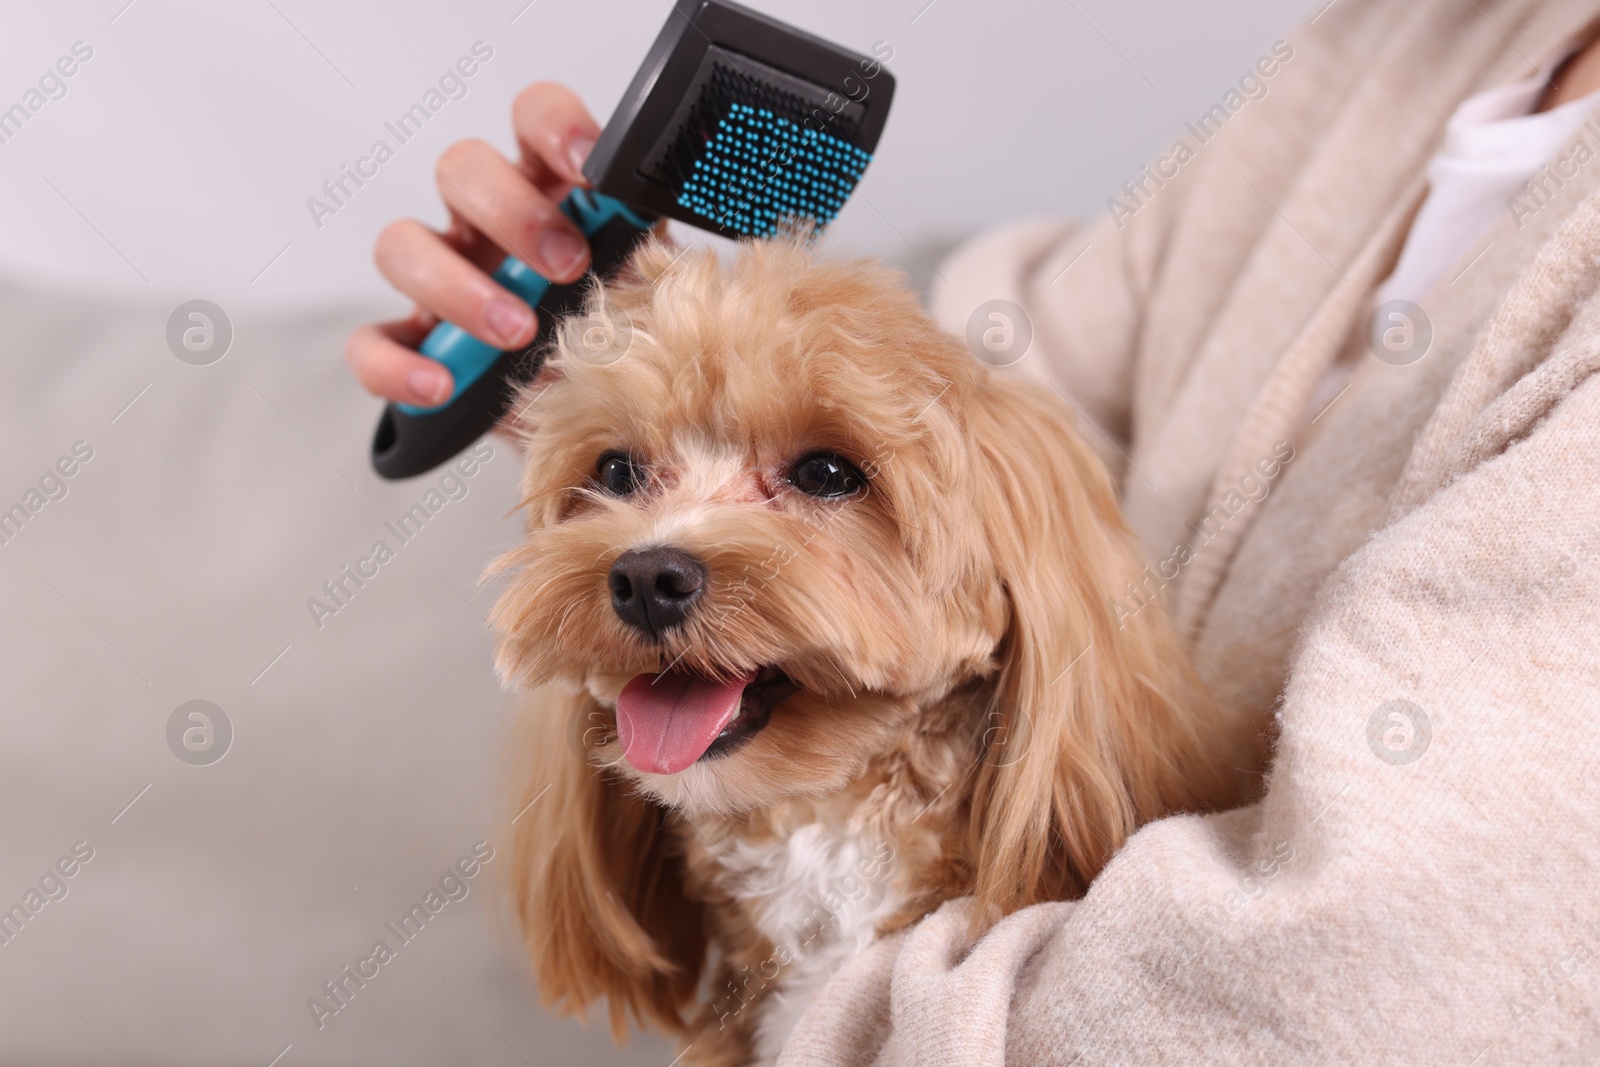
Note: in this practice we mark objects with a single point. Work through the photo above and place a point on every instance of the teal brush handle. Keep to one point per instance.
(412, 440)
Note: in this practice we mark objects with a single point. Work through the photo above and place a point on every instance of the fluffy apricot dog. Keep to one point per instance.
(817, 615)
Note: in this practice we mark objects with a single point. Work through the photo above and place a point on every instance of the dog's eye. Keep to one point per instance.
(618, 474)
(827, 474)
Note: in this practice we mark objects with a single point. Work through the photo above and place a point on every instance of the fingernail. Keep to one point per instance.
(511, 320)
(562, 252)
(429, 384)
(578, 149)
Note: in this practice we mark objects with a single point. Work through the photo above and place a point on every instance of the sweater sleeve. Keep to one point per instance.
(1083, 290)
(1420, 883)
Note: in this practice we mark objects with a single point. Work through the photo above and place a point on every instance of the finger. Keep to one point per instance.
(420, 264)
(383, 361)
(555, 133)
(482, 187)
(478, 250)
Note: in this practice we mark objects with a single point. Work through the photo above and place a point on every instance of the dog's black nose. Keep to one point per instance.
(653, 589)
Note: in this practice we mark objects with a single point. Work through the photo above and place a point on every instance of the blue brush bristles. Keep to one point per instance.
(760, 169)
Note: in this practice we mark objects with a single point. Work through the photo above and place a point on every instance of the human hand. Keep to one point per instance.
(497, 208)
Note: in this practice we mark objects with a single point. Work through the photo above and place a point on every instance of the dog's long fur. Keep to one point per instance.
(975, 718)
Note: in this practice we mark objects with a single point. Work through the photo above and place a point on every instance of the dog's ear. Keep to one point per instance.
(597, 889)
(1098, 723)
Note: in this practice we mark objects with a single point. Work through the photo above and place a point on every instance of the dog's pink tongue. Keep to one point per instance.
(667, 721)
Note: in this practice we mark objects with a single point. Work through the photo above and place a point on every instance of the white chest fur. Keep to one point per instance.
(819, 895)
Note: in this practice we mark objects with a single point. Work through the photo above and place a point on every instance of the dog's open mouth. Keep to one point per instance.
(667, 721)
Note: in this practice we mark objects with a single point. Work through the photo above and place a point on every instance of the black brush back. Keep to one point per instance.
(736, 122)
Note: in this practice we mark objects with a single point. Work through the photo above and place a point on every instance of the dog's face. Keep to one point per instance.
(755, 529)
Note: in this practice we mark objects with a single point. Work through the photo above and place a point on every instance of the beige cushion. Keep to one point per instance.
(178, 566)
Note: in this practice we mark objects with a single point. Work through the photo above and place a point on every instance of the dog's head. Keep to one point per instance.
(773, 511)
(755, 506)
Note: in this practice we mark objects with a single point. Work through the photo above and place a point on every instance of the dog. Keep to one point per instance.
(818, 615)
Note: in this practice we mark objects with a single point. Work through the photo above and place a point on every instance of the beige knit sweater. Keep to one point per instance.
(1417, 593)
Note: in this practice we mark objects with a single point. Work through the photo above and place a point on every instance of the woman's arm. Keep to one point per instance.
(1083, 289)
(1419, 884)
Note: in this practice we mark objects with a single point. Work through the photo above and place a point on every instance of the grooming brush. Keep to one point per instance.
(737, 124)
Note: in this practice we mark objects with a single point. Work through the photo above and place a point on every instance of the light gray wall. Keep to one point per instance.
(186, 148)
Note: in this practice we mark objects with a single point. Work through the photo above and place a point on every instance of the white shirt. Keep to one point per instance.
(1494, 143)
